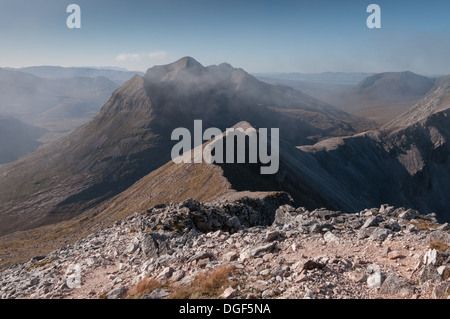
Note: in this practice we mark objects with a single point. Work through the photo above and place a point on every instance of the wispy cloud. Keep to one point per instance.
(157, 55)
(129, 57)
(137, 57)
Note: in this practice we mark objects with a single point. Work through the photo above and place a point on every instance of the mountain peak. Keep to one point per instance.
(406, 83)
(169, 72)
(186, 62)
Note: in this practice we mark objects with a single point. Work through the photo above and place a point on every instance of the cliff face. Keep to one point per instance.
(406, 163)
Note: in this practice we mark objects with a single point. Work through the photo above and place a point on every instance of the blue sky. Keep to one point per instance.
(259, 36)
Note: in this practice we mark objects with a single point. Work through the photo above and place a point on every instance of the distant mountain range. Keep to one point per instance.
(57, 99)
(119, 162)
(130, 137)
(117, 75)
(384, 96)
(319, 85)
(339, 78)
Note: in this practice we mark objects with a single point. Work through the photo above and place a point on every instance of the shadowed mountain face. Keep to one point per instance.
(222, 96)
(384, 96)
(406, 163)
(17, 139)
(130, 137)
(300, 175)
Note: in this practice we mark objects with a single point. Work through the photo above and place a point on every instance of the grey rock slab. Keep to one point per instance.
(386, 209)
(267, 293)
(231, 256)
(444, 227)
(157, 294)
(365, 232)
(312, 264)
(117, 293)
(431, 257)
(178, 275)
(429, 273)
(375, 280)
(380, 234)
(271, 236)
(441, 290)
(229, 293)
(330, 237)
(284, 215)
(371, 222)
(166, 273)
(439, 235)
(131, 248)
(262, 250)
(309, 294)
(202, 255)
(394, 285)
(409, 214)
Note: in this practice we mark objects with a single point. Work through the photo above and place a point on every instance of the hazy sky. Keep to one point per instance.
(259, 36)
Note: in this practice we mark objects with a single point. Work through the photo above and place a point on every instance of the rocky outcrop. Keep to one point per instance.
(296, 253)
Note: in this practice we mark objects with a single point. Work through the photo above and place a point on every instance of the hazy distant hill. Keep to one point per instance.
(319, 85)
(384, 96)
(56, 72)
(338, 78)
(317, 89)
(58, 105)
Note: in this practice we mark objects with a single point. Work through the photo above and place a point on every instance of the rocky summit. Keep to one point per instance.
(241, 249)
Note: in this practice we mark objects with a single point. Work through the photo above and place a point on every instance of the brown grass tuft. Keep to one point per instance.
(143, 287)
(439, 246)
(205, 285)
(102, 295)
(40, 264)
(423, 224)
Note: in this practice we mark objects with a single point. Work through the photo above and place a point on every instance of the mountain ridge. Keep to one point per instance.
(406, 165)
(130, 137)
(59, 72)
(409, 156)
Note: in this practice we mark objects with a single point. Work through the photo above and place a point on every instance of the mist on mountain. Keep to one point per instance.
(131, 136)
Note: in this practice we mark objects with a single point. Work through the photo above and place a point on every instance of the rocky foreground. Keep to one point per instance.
(239, 250)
